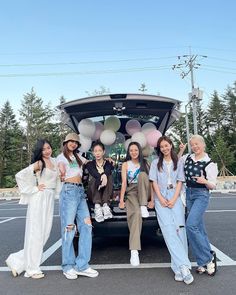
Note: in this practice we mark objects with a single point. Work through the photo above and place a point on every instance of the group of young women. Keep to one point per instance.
(143, 186)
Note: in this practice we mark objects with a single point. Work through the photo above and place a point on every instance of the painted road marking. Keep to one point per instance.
(121, 266)
(51, 250)
(9, 203)
(9, 219)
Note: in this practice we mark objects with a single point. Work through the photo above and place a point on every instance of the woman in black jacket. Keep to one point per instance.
(100, 184)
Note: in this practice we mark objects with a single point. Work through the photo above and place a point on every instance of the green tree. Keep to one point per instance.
(216, 112)
(221, 152)
(11, 146)
(36, 119)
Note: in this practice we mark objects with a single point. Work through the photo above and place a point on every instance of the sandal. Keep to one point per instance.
(39, 275)
(212, 266)
(200, 270)
(13, 271)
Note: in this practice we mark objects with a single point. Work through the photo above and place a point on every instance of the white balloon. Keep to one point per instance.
(140, 138)
(87, 127)
(148, 127)
(85, 142)
(112, 123)
(108, 137)
(126, 144)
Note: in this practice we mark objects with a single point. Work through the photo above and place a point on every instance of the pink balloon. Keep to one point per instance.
(152, 137)
(99, 128)
(132, 126)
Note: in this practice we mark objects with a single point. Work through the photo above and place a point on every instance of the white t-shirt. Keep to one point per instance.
(72, 168)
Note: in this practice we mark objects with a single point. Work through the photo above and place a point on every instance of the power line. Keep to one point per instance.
(87, 62)
(166, 67)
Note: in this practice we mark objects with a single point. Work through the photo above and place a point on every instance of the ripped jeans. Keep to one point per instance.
(73, 206)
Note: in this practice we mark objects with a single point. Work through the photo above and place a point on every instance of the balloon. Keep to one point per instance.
(140, 138)
(148, 127)
(120, 138)
(132, 126)
(152, 137)
(98, 130)
(126, 144)
(108, 137)
(147, 150)
(86, 127)
(112, 123)
(85, 142)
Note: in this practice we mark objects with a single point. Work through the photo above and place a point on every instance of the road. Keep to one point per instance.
(111, 257)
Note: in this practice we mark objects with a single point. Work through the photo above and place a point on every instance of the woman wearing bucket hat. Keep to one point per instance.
(73, 206)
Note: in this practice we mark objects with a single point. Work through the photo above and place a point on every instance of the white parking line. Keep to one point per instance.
(6, 220)
(51, 250)
(222, 256)
(221, 210)
(11, 209)
(9, 203)
(121, 266)
(20, 217)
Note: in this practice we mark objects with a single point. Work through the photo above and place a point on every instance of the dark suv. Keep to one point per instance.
(159, 110)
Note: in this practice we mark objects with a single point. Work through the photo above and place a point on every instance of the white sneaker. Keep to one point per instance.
(70, 274)
(98, 213)
(106, 211)
(89, 272)
(134, 258)
(178, 277)
(186, 274)
(144, 211)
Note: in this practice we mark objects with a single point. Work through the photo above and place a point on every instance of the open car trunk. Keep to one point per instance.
(159, 110)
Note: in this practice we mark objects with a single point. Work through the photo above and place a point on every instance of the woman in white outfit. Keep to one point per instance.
(38, 184)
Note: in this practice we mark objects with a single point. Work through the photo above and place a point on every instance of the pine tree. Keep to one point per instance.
(36, 119)
(216, 112)
(11, 146)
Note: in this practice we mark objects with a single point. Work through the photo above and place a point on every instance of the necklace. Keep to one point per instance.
(100, 168)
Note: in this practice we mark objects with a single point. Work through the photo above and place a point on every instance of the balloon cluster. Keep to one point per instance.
(146, 135)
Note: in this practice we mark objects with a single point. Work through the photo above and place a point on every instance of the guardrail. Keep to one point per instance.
(9, 193)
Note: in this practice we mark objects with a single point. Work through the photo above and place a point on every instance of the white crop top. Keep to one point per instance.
(72, 169)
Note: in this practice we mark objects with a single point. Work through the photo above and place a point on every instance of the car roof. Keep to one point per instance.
(145, 107)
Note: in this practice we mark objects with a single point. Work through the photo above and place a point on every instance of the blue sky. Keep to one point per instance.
(70, 47)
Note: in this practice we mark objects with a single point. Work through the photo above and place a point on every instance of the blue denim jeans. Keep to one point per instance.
(197, 200)
(73, 206)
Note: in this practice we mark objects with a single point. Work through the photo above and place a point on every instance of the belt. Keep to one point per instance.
(74, 183)
(170, 186)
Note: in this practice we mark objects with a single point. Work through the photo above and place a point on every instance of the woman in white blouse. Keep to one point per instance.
(200, 176)
(38, 184)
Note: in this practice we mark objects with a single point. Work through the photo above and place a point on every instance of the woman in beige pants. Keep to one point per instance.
(136, 187)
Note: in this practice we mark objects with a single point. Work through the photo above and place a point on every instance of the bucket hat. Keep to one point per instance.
(73, 137)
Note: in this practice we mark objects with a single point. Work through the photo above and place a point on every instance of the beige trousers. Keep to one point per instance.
(137, 195)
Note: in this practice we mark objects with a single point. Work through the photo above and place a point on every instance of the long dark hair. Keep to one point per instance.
(66, 153)
(38, 152)
(142, 161)
(173, 154)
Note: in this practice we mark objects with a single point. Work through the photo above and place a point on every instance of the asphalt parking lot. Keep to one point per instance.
(111, 257)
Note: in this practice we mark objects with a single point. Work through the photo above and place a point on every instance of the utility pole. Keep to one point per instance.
(187, 63)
